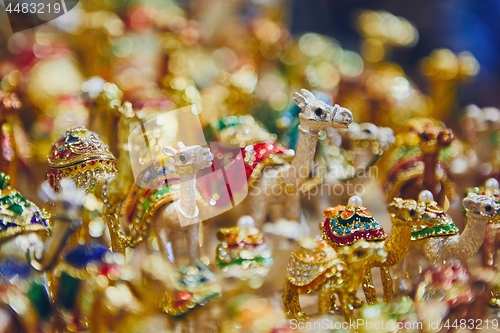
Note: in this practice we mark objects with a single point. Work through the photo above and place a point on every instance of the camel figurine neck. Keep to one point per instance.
(469, 241)
(398, 243)
(187, 200)
(301, 165)
(430, 162)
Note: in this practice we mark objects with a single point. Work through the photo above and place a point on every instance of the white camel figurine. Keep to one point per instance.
(438, 247)
(182, 216)
(282, 184)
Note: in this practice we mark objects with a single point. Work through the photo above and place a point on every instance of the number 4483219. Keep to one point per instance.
(34, 8)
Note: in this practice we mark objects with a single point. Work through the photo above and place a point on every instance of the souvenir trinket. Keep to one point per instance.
(491, 239)
(437, 239)
(415, 168)
(344, 225)
(191, 286)
(442, 288)
(316, 266)
(243, 247)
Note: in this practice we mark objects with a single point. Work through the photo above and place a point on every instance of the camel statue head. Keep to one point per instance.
(481, 207)
(434, 137)
(368, 135)
(318, 115)
(189, 159)
(407, 211)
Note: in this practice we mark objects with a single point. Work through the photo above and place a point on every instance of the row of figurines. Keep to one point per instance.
(352, 243)
(424, 155)
(167, 205)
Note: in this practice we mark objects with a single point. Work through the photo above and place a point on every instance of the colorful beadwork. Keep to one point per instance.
(243, 248)
(345, 225)
(434, 222)
(18, 215)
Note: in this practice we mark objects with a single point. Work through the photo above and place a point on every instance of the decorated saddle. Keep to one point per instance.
(312, 264)
(434, 222)
(410, 165)
(192, 286)
(242, 149)
(344, 225)
(19, 215)
(243, 247)
(153, 189)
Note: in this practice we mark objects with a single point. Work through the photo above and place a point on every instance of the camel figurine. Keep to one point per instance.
(271, 179)
(315, 116)
(492, 238)
(243, 248)
(27, 231)
(316, 266)
(437, 239)
(365, 144)
(93, 168)
(415, 169)
(344, 225)
(182, 216)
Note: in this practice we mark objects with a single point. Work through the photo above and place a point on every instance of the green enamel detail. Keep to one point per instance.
(159, 193)
(39, 297)
(440, 230)
(259, 261)
(68, 291)
(4, 181)
(16, 209)
(15, 202)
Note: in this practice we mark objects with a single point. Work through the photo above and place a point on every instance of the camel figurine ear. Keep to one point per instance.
(180, 145)
(300, 100)
(307, 94)
(169, 151)
(445, 137)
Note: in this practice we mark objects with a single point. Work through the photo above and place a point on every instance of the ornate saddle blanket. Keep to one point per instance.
(193, 286)
(155, 190)
(19, 215)
(408, 165)
(312, 264)
(242, 247)
(435, 222)
(345, 225)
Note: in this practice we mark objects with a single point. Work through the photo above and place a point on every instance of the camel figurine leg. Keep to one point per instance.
(291, 302)
(193, 242)
(258, 208)
(326, 300)
(347, 308)
(292, 208)
(369, 288)
(387, 284)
